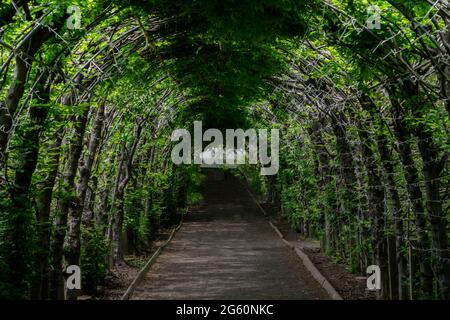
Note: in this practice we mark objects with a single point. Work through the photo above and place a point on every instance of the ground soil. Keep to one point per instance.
(120, 277)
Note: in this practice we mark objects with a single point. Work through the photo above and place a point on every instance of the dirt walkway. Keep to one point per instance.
(227, 250)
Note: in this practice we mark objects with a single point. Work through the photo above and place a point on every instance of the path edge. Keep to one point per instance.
(309, 265)
(320, 278)
(138, 279)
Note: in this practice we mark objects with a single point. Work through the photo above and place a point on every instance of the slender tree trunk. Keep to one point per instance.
(88, 215)
(74, 154)
(324, 175)
(72, 243)
(433, 159)
(117, 216)
(432, 169)
(397, 214)
(43, 207)
(415, 195)
(376, 196)
(347, 172)
(20, 213)
(24, 60)
(391, 186)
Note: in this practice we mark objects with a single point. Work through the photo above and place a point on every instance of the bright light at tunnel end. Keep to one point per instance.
(239, 147)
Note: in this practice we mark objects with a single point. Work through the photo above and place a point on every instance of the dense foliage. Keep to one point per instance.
(90, 92)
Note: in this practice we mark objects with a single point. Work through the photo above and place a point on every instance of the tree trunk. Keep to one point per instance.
(20, 213)
(391, 186)
(324, 175)
(43, 206)
(349, 197)
(376, 196)
(432, 169)
(72, 242)
(74, 154)
(116, 218)
(117, 215)
(24, 60)
(415, 195)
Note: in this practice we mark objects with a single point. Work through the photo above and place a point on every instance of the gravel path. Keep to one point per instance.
(227, 250)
